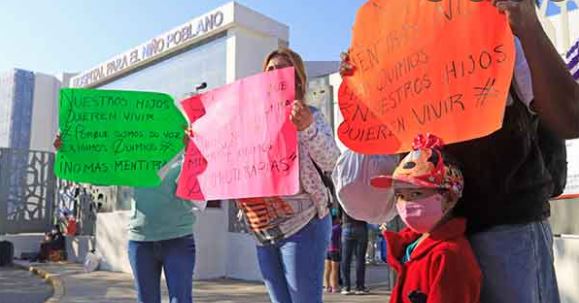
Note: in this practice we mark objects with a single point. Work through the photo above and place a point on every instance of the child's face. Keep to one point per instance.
(413, 194)
(422, 209)
(417, 194)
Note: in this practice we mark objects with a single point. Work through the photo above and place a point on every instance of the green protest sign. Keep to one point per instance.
(117, 137)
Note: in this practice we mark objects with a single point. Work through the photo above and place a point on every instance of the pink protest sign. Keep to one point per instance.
(243, 143)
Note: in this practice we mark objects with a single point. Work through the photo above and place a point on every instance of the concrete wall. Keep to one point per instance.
(247, 18)
(210, 235)
(211, 243)
(112, 240)
(242, 257)
(567, 266)
(335, 81)
(245, 52)
(564, 214)
(24, 243)
(6, 106)
(44, 112)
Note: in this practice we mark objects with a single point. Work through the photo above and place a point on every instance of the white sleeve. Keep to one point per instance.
(522, 76)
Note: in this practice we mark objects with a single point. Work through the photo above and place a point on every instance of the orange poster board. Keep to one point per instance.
(425, 67)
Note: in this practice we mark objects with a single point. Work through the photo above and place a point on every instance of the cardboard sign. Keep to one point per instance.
(425, 67)
(117, 137)
(243, 143)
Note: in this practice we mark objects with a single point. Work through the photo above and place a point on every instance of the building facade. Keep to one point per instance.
(28, 110)
(16, 97)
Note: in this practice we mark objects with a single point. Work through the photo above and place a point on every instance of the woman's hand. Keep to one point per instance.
(57, 142)
(346, 67)
(522, 15)
(301, 116)
(188, 135)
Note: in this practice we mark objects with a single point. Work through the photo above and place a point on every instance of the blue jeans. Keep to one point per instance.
(517, 263)
(354, 241)
(293, 269)
(176, 257)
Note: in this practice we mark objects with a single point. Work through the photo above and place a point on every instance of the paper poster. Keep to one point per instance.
(425, 67)
(243, 143)
(117, 137)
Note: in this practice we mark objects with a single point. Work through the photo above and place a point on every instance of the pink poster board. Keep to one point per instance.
(243, 143)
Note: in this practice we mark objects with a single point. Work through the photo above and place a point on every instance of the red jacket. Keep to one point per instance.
(442, 269)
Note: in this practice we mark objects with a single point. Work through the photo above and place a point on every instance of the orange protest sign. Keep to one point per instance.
(425, 67)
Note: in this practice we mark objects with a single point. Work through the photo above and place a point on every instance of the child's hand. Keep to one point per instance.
(383, 227)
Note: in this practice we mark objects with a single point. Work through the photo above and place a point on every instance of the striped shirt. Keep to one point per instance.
(272, 219)
(573, 60)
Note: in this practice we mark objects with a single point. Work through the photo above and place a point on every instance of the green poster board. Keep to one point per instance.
(117, 137)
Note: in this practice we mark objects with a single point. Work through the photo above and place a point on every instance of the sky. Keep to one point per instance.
(54, 36)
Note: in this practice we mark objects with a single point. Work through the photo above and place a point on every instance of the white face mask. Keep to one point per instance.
(421, 215)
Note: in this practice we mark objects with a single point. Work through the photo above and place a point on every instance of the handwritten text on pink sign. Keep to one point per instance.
(243, 143)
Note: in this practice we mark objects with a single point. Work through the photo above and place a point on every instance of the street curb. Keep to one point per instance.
(54, 280)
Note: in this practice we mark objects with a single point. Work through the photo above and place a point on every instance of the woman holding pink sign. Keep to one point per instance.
(293, 232)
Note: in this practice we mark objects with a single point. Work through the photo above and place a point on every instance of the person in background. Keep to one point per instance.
(293, 232)
(53, 247)
(332, 267)
(354, 242)
(71, 226)
(433, 258)
(372, 257)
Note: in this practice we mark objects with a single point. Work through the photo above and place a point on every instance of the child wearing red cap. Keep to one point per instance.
(433, 258)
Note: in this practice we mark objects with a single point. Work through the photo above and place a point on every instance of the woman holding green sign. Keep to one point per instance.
(293, 232)
(161, 238)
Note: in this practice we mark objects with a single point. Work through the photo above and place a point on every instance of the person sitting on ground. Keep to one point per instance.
(433, 258)
(53, 247)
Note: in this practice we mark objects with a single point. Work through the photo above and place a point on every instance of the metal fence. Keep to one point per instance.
(27, 191)
(32, 199)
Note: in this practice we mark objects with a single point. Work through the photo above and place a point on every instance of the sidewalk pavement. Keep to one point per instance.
(18, 285)
(112, 287)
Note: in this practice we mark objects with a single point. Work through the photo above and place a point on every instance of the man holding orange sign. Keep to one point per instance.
(447, 68)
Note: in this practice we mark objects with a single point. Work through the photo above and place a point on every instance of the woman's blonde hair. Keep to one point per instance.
(298, 64)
